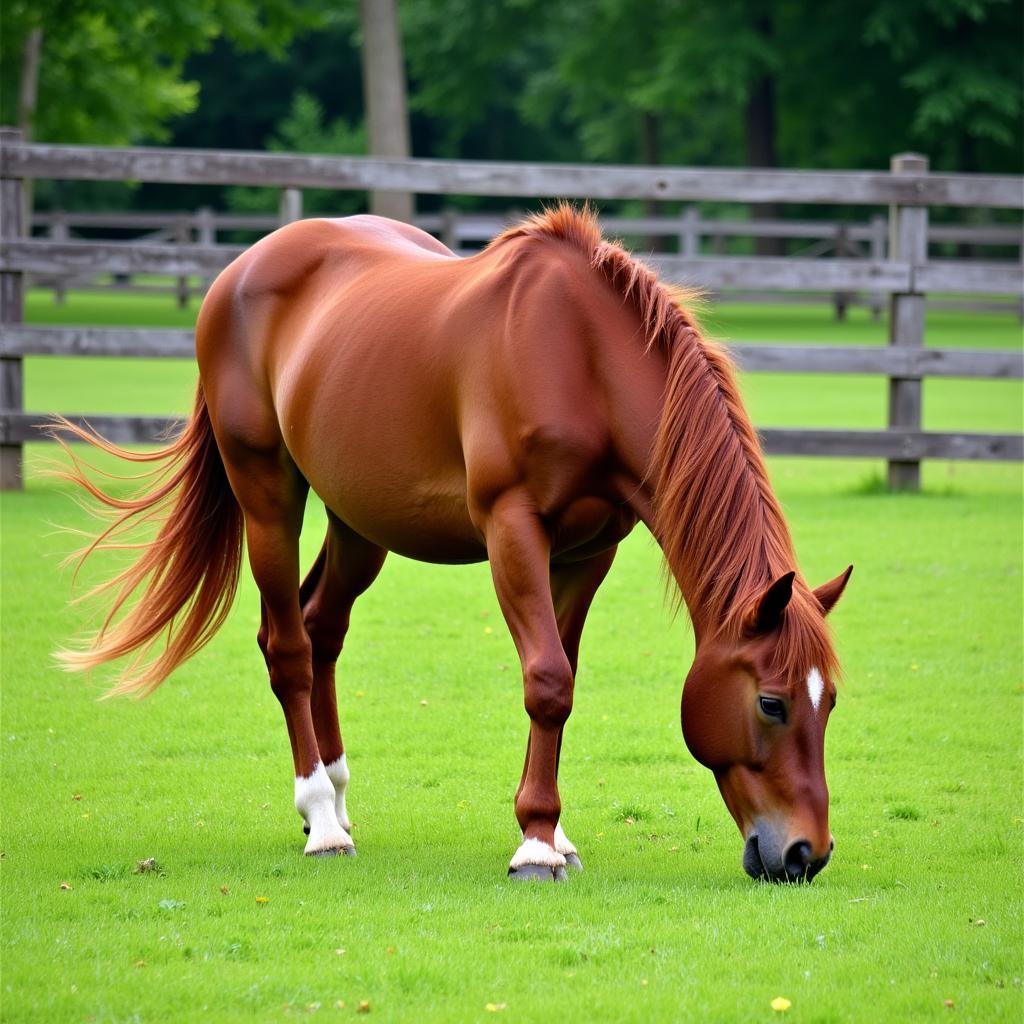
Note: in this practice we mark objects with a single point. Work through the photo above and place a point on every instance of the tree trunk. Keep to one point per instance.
(760, 125)
(28, 92)
(652, 157)
(384, 97)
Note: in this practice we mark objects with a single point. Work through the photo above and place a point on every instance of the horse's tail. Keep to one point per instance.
(187, 574)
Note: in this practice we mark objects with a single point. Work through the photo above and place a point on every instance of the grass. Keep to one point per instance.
(924, 760)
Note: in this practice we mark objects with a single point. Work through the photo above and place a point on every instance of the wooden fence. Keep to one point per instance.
(690, 233)
(905, 274)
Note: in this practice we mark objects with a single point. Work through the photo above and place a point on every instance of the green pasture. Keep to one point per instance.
(921, 907)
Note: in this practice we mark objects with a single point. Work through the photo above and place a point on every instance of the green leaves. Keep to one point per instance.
(112, 70)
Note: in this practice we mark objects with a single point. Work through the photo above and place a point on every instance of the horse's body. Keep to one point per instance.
(411, 362)
(528, 406)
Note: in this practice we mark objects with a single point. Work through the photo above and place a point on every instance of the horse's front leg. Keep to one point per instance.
(519, 551)
(573, 586)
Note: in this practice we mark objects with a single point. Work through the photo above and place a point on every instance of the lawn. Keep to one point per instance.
(921, 905)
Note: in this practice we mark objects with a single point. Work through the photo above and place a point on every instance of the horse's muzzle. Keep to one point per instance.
(794, 866)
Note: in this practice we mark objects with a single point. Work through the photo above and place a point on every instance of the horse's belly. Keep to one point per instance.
(419, 518)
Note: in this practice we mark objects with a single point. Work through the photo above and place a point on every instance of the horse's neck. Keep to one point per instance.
(632, 382)
(727, 540)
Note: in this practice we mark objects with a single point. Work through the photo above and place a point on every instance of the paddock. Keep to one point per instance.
(921, 904)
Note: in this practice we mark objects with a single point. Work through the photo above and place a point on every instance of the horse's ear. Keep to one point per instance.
(828, 593)
(766, 612)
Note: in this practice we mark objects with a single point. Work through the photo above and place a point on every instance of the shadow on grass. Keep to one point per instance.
(875, 484)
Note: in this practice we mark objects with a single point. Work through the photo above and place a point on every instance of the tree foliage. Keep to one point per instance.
(112, 70)
(846, 84)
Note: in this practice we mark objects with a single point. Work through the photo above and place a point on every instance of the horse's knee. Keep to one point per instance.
(326, 633)
(547, 687)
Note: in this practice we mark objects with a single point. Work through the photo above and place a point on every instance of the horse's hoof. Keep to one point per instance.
(572, 860)
(560, 874)
(334, 851)
(537, 873)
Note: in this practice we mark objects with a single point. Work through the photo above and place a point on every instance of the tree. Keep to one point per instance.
(384, 97)
(110, 71)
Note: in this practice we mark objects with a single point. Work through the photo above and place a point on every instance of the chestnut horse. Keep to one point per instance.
(527, 406)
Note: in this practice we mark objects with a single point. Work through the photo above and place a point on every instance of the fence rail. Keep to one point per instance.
(902, 270)
(466, 232)
(752, 357)
(488, 178)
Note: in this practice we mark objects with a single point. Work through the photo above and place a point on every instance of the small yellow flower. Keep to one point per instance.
(262, 899)
(495, 1007)
(780, 1004)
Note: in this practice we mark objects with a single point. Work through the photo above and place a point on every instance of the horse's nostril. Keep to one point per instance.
(797, 859)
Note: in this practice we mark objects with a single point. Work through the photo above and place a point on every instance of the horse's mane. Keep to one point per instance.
(717, 519)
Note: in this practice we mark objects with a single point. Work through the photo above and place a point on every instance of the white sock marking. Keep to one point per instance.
(533, 851)
(315, 801)
(337, 772)
(815, 687)
(562, 844)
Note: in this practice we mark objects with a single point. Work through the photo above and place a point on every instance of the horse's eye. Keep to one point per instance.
(773, 707)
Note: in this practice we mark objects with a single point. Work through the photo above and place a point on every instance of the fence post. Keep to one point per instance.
(206, 234)
(879, 233)
(689, 233)
(291, 205)
(182, 235)
(841, 299)
(12, 307)
(59, 233)
(908, 243)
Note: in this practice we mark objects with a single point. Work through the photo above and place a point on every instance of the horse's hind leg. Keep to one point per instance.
(346, 566)
(272, 495)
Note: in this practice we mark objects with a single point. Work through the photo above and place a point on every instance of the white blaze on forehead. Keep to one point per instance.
(815, 687)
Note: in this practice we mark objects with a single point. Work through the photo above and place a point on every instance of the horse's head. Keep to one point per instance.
(763, 734)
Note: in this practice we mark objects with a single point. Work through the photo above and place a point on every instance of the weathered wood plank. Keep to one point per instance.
(37, 256)
(18, 428)
(196, 166)
(153, 342)
(905, 446)
(156, 342)
(1003, 278)
(976, 234)
(895, 362)
(908, 242)
(21, 427)
(783, 274)
(12, 308)
(480, 227)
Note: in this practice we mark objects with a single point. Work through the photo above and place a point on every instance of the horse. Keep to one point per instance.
(527, 405)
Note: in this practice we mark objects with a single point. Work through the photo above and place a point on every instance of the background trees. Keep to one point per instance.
(758, 82)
